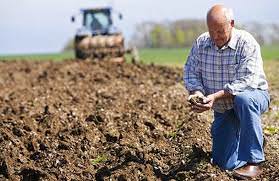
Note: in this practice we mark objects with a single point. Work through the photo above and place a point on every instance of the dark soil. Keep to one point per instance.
(104, 121)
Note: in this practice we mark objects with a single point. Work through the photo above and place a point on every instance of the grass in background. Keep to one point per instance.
(178, 56)
(270, 52)
(162, 56)
(38, 57)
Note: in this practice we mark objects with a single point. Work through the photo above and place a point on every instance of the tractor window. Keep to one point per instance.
(97, 20)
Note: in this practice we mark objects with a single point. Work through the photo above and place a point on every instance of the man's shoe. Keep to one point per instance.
(248, 171)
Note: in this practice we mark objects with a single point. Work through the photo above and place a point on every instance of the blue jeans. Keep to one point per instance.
(237, 136)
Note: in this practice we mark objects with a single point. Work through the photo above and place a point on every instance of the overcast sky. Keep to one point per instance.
(44, 26)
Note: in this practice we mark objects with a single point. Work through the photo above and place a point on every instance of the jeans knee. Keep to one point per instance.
(242, 99)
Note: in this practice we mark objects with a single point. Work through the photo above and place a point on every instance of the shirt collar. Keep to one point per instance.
(208, 43)
(232, 43)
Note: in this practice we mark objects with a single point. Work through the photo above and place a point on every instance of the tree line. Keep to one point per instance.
(182, 33)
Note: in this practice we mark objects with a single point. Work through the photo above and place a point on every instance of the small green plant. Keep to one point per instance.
(271, 130)
(179, 124)
(172, 134)
(99, 159)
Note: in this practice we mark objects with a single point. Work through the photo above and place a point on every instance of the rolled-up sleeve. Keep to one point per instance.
(248, 71)
(192, 71)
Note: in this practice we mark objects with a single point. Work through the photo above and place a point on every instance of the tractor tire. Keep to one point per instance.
(79, 54)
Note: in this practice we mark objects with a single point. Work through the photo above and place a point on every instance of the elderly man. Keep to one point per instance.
(225, 68)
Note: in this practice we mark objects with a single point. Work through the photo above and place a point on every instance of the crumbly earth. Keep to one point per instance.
(76, 120)
(196, 100)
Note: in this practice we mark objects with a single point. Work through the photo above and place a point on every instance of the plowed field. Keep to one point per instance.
(104, 121)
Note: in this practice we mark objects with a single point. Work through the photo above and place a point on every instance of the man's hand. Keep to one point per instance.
(195, 94)
(200, 106)
(209, 100)
(195, 99)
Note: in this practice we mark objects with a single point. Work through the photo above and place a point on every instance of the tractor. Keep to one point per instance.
(98, 38)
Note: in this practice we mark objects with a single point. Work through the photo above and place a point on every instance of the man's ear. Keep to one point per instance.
(232, 23)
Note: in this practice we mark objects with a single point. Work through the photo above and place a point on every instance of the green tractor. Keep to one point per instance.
(98, 38)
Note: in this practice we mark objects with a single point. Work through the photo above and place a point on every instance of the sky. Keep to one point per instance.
(44, 26)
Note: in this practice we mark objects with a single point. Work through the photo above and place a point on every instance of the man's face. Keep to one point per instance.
(220, 33)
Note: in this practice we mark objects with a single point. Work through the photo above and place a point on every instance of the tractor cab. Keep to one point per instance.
(97, 20)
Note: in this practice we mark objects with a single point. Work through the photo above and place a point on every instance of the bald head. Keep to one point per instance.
(219, 14)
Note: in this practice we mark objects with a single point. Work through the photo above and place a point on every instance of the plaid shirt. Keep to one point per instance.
(235, 67)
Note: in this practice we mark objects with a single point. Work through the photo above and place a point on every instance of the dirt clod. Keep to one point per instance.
(196, 99)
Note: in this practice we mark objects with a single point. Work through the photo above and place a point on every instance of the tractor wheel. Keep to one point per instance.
(81, 55)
